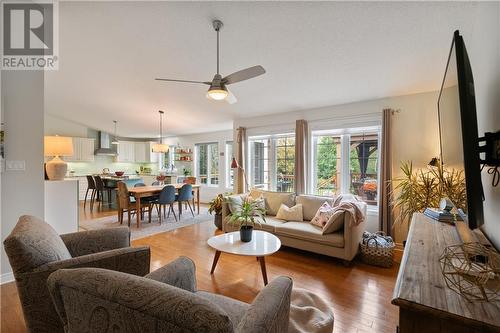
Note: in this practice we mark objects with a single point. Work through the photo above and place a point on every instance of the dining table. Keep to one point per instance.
(148, 191)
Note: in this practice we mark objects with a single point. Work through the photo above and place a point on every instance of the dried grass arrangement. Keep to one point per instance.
(419, 189)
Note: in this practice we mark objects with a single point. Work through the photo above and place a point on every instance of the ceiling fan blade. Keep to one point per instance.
(231, 99)
(244, 74)
(184, 81)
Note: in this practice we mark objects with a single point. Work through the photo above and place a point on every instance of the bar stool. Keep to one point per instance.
(100, 188)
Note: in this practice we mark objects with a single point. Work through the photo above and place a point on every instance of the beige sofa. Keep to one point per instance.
(342, 244)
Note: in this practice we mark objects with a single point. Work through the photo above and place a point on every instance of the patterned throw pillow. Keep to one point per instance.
(261, 203)
(290, 213)
(235, 202)
(323, 215)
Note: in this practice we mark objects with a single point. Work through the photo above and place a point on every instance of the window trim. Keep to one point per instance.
(272, 158)
(229, 158)
(208, 164)
(345, 137)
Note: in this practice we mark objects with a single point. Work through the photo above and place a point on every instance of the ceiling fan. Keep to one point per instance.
(218, 86)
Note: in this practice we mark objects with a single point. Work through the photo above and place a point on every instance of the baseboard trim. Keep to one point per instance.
(6, 278)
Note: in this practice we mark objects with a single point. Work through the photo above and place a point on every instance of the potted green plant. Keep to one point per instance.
(417, 190)
(186, 172)
(250, 214)
(215, 206)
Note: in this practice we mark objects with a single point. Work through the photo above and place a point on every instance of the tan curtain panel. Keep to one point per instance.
(241, 144)
(301, 156)
(385, 211)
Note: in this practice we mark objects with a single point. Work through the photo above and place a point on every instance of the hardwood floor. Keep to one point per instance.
(359, 295)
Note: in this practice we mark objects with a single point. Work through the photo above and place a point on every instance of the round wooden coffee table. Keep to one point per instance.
(262, 244)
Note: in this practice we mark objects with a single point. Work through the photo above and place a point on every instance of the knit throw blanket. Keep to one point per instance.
(353, 208)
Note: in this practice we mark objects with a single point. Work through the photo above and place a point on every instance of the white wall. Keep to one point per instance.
(58, 126)
(22, 111)
(207, 193)
(415, 129)
(483, 47)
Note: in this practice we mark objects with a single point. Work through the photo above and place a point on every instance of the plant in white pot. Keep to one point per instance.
(250, 213)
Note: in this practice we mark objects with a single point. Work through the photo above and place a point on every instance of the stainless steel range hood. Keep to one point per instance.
(105, 147)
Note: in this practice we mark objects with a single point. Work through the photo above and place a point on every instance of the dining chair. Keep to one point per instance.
(146, 199)
(125, 205)
(90, 188)
(185, 195)
(166, 198)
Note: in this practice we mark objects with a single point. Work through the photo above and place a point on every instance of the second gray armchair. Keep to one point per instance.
(166, 300)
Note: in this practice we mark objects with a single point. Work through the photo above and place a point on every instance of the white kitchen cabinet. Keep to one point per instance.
(148, 180)
(83, 150)
(126, 151)
(143, 153)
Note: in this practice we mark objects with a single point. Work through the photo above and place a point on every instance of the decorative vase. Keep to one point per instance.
(218, 221)
(246, 233)
(56, 169)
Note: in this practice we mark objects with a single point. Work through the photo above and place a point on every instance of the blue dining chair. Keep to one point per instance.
(166, 198)
(185, 195)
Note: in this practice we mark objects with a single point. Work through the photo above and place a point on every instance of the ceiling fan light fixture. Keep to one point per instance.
(217, 94)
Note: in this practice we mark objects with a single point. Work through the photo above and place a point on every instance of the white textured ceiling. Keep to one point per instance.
(316, 54)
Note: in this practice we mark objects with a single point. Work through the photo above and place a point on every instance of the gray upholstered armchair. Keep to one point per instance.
(35, 250)
(166, 300)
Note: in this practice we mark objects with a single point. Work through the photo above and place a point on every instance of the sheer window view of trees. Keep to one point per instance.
(207, 161)
(361, 164)
(328, 165)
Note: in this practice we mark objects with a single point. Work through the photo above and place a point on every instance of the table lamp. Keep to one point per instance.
(57, 146)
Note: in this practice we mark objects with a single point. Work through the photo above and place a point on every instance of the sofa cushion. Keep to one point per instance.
(309, 232)
(275, 199)
(33, 243)
(270, 224)
(290, 213)
(311, 204)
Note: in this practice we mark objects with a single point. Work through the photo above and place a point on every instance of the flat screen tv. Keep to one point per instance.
(458, 128)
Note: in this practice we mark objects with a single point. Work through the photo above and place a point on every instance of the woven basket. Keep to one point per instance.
(377, 249)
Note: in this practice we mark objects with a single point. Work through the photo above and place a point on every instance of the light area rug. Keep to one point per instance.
(148, 229)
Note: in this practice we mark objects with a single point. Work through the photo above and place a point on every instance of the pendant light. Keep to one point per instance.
(160, 147)
(115, 138)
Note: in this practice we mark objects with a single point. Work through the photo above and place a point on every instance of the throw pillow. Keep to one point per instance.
(323, 215)
(235, 202)
(335, 223)
(261, 203)
(290, 213)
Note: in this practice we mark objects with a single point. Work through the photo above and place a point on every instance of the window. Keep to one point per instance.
(272, 162)
(346, 161)
(327, 165)
(229, 159)
(207, 163)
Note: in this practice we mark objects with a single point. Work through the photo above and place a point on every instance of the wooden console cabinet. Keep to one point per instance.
(425, 303)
